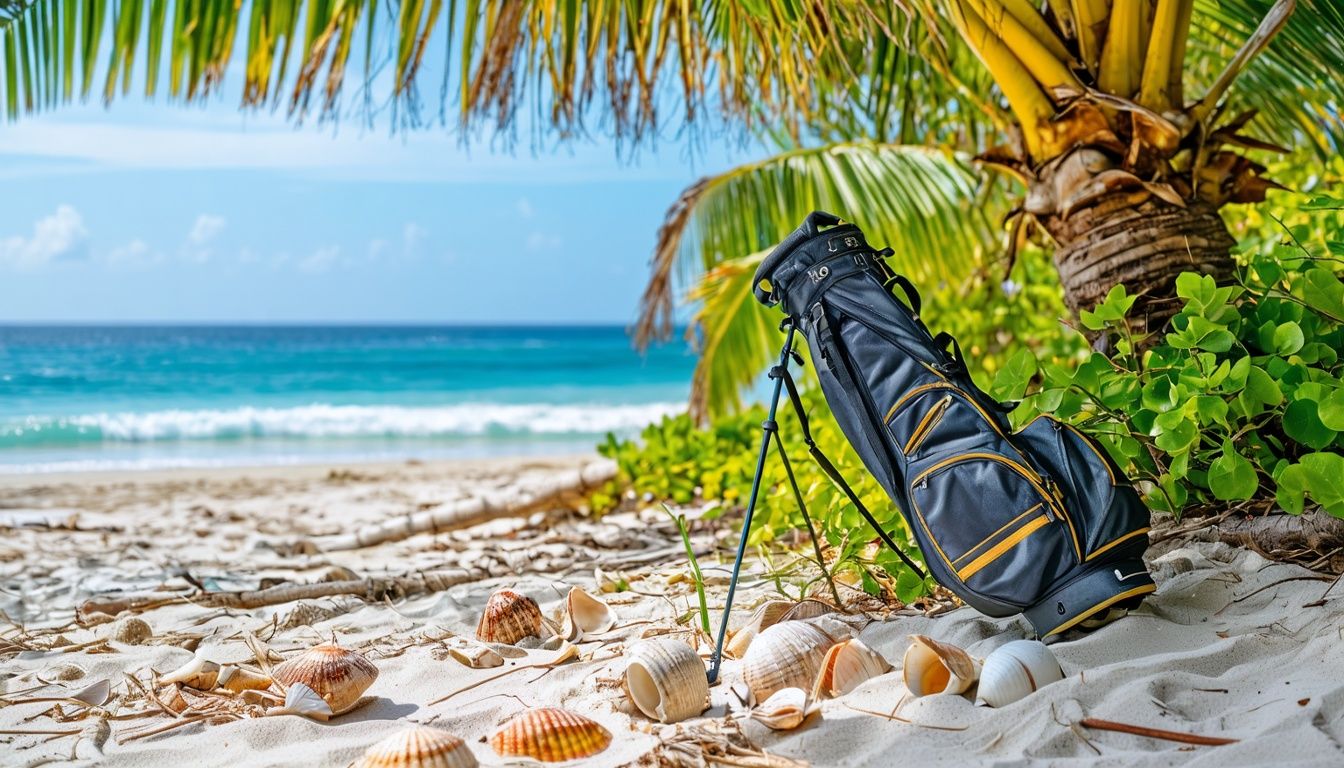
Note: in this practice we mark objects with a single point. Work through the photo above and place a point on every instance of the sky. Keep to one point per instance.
(157, 212)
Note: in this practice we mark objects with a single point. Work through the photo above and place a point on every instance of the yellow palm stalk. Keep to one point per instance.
(1166, 55)
(1037, 47)
(1089, 19)
(1121, 62)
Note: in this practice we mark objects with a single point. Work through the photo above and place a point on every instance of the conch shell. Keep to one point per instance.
(764, 617)
(419, 747)
(338, 675)
(787, 655)
(199, 673)
(846, 666)
(509, 617)
(934, 667)
(785, 710)
(1016, 670)
(585, 615)
(666, 680)
(238, 679)
(550, 735)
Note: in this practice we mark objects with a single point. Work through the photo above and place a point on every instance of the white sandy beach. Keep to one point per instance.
(1230, 646)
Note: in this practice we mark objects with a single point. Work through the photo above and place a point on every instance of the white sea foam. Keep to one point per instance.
(339, 421)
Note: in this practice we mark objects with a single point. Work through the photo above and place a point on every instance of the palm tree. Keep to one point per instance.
(874, 106)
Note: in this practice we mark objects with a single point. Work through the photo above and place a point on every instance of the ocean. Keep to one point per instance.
(125, 398)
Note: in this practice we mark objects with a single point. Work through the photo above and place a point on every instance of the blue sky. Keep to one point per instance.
(165, 213)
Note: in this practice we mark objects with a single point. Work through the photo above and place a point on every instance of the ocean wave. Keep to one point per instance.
(334, 421)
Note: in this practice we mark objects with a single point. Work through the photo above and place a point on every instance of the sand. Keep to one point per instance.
(1231, 645)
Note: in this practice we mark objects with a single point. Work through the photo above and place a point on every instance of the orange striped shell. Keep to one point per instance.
(508, 617)
(339, 675)
(419, 747)
(550, 735)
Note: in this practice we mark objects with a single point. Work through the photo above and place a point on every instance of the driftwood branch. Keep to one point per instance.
(558, 488)
(1314, 530)
(1155, 733)
(372, 589)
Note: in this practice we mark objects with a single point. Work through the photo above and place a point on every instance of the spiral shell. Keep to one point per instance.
(787, 655)
(585, 615)
(509, 617)
(1016, 670)
(340, 676)
(785, 710)
(550, 735)
(847, 665)
(199, 673)
(238, 679)
(419, 747)
(764, 617)
(666, 680)
(934, 667)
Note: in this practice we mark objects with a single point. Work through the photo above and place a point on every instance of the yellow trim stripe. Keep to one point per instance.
(1002, 547)
(1103, 605)
(921, 388)
(1115, 542)
(926, 425)
(991, 536)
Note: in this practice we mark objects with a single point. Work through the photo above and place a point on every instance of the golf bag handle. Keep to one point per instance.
(809, 228)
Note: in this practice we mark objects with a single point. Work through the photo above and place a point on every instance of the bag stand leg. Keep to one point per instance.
(768, 428)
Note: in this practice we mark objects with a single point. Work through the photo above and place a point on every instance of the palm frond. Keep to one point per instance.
(920, 201)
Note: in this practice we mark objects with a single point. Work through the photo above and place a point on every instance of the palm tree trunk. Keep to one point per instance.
(1143, 246)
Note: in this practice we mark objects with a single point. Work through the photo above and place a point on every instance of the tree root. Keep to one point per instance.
(1283, 536)
(371, 589)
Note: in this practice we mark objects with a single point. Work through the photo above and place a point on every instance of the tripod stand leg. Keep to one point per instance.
(768, 428)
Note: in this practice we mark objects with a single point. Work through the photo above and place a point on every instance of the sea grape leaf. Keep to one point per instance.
(1231, 477)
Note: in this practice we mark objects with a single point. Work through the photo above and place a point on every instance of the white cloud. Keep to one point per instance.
(320, 260)
(525, 209)
(377, 247)
(205, 229)
(59, 236)
(541, 241)
(136, 253)
(412, 237)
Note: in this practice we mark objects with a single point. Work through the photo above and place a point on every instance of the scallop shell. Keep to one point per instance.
(763, 617)
(934, 667)
(509, 617)
(785, 710)
(787, 655)
(585, 615)
(810, 608)
(339, 675)
(1016, 670)
(238, 679)
(131, 630)
(199, 673)
(666, 680)
(846, 666)
(419, 747)
(550, 735)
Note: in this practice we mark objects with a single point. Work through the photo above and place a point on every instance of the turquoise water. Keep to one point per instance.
(107, 398)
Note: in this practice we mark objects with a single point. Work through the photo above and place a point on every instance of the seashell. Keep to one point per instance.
(847, 665)
(934, 667)
(810, 608)
(66, 672)
(585, 614)
(338, 675)
(419, 747)
(766, 615)
(473, 654)
(787, 655)
(305, 702)
(238, 679)
(171, 696)
(550, 735)
(199, 673)
(1016, 670)
(666, 680)
(509, 617)
(131, 630)
(785, 710)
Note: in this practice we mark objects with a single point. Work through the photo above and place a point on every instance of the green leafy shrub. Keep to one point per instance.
(1242, 401)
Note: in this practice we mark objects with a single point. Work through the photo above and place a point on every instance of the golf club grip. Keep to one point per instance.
(814, 222)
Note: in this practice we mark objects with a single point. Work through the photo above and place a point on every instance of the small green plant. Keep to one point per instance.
(1241, 401)
(680, 520)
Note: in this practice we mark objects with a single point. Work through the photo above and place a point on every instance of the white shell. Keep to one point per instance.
(474, 654)
(338, 675)
(787, 655)
(846, 666)
(1016, 670)
(785, 710)
(932, 667)
(419, 747)
(762, 618)
(199, 673)
(585, 615)
(305, 702)
(666, 680)
(239, 679)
